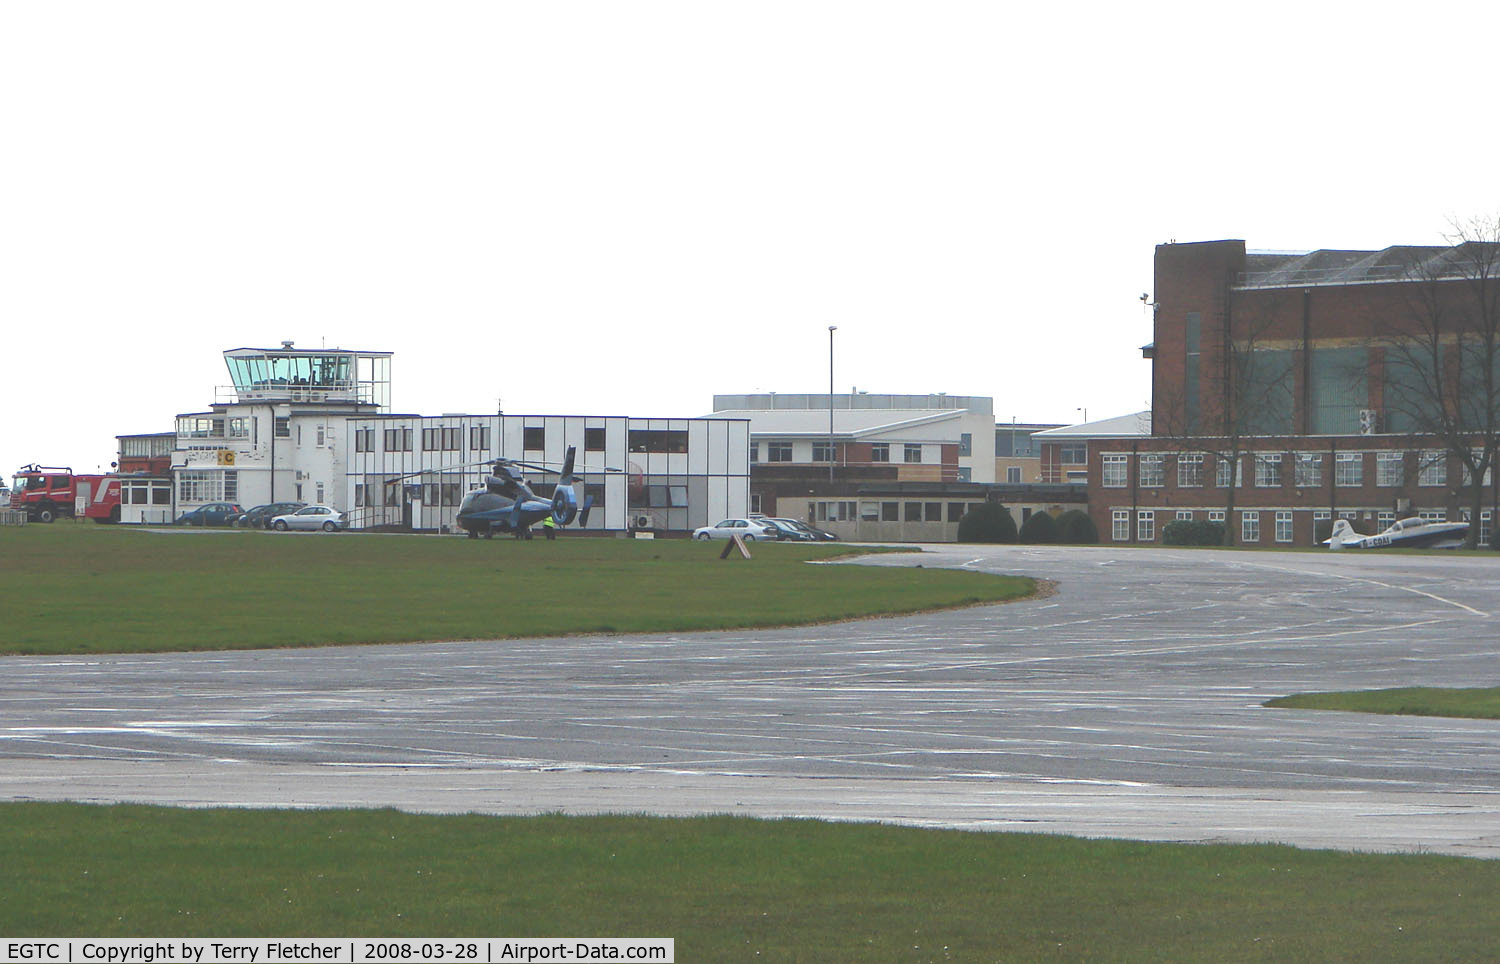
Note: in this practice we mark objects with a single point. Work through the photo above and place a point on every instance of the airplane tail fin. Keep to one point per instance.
(1342, 530)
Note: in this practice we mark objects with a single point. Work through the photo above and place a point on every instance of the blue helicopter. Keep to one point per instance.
(507, 503)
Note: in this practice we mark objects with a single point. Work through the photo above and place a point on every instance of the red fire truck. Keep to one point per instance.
(46, 492)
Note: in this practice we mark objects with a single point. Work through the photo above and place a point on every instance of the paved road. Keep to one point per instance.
(1127, 704)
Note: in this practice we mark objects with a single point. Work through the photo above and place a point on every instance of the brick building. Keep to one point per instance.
(1292, 389)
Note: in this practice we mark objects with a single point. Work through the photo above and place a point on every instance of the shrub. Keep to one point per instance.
(1075, 528)
(1040, 529)
(987, 522)
(1181, 532)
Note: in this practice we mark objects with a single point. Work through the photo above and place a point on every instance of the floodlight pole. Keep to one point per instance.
(831, 330)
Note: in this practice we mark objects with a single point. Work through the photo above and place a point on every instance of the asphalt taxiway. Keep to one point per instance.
(1128, 703)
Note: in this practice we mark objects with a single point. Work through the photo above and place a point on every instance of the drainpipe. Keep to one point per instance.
(1135, 491)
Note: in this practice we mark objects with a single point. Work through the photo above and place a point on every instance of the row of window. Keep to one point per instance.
(824, 452)
(1392, 469)
(1250, 522)
(449, 438)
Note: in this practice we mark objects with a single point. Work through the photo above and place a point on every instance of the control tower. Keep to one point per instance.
(335, 376)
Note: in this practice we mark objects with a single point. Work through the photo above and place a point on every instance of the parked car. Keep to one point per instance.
(786, 530)
(211, 514)
(324, 517)
(747, 529)
(260, 517)
(820, 535)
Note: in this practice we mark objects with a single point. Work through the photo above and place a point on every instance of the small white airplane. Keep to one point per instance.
(1407, 533)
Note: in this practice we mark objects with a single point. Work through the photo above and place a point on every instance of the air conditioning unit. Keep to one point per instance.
(641, 520)
(1369, 421)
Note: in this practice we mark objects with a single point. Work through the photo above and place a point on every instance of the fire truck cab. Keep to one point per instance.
(46, 493)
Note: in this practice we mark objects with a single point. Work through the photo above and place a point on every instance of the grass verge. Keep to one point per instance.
(728, 889)
(1481, 703)
(79, 588)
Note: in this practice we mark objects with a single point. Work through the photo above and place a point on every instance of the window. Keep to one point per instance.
(1216, 515)
(890, 512)
(1388, 468)
(966, 443)
(1283, 527)
(239, 428)
(956, 510)
(1190, 470)
(232, 487)
(754, 452)
(359, 494)
(1250, 526)
(913, 454)
(965, 474)
(880, 452)
(1308, 471)
(1120, 525)
(659, 441)
(778, 451)
(913, 512)
(1433, 469)
(1115, 471)
(1013, 474)
(1184, 515)
(1227, 472)
(1145, 525)
(283, 427)
(932, 511)
(364, 440)
(535, 439)
(755, 502)
(318, 490)
(322, 439)
(1433, 515)
(593, 440)
(1268, 470)
(869, 511)
(822, 452)
(1385, 520)
(1349, 469)
(1152, 473)
(398, 439)
(1074, 453)
(479, 437)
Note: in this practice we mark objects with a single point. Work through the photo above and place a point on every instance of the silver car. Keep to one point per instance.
(747, 529)
(314, 517)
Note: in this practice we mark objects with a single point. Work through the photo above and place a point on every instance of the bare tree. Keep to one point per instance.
(1442, 356)
(1245, 392)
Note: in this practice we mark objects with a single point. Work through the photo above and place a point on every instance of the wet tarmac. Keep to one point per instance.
(1126, 704)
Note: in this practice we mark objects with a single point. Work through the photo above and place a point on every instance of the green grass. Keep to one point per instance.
(728, 889)
(1478, 703)
(81, 588)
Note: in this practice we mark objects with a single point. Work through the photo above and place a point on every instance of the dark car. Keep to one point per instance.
(816, 534)
(786, 531)
(211, 514)
(260, 517)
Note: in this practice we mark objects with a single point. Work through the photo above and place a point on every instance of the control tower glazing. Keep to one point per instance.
(323, 375)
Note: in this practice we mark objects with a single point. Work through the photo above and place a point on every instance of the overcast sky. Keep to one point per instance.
(624, 208)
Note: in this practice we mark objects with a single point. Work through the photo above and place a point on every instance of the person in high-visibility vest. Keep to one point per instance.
(550, 528)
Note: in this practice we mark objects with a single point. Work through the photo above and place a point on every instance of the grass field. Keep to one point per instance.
(82, 588)
(729, 889)
(1476, 703)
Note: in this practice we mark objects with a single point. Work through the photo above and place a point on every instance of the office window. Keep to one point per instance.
(869, 511)
(754, 502)
(966, 443)
(658, 441)
(535, 439)
(1216, 515)
(1283, 527)
(283, 427)
(1152, 473)
(965, 474)
(1308, 471)
(1349, 469)
(1385, 520)
(890, 512)
(1268, 469)
(1250, 526)
(1433, 515)
(913, 454)
(1190, 470)
(479, 438)
(1115, 470)
(593, 440)
(932, 511)
(1388, 468)
(913, 512)
(822, 452)
(1013, 474)
(1120, 525)
(880, 452)
(1145, 526)
(778, 451)
(1433, 469)
(1184, 515)
(398, 439)
(1074, 453)
(956, 510)
(1227, 472)
(754, 452)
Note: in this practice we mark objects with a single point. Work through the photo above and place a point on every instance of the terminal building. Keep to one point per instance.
(316, 426)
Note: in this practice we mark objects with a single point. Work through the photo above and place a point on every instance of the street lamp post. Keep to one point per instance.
(831, 330)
